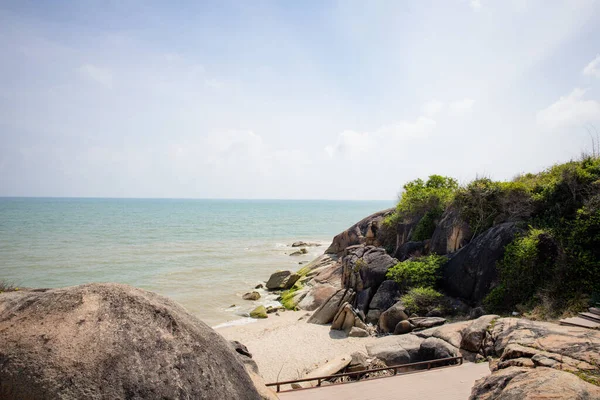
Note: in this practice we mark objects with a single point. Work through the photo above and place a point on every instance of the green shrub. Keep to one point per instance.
(420, 272)
(421, 301)
(420, 198)
(528, 264)
(426, 225)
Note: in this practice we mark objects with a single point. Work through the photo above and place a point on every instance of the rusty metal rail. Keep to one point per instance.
(358, 374)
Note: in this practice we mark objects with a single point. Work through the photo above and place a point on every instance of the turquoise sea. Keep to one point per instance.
(202, 253)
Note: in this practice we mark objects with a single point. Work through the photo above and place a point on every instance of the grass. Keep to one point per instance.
(6, 286)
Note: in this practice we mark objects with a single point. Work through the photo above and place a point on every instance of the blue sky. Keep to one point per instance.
(266, 99)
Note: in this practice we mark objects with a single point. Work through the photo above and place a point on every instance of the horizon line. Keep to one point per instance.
(184, 198)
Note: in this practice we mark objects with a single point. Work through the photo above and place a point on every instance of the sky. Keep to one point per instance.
(290, 100)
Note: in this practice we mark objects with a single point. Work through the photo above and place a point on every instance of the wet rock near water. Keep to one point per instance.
(282, 280)
(251, 296)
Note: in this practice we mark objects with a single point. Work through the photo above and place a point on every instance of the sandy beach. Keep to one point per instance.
(286, 346)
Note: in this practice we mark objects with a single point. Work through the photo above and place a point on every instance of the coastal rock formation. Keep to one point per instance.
(252, 368)
(391, 317)
(396, 350)
(304, 244)
(365, 267)
(363, 232)
(346, 319)
(282, 280)
(412, 249)
(112, 341)
(533, 383)
(259, 312)
(471, 271)
(450, 235)
(385, 297)
(328, 310)
(299, 252)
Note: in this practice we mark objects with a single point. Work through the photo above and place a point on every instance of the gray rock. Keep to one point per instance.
(363, 232)
(325, 314)
(474, 334)
(299, 252)
(396, 350)
(412, 249)
(282, 280)
(390, 318)
(386, 296)
(305, 244)
(427, 322)
(471, 271)
(372, 317)
(365, 267)
(363, 298)
(434, 349)
(112, 341)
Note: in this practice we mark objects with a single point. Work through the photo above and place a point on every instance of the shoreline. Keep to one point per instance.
(285, 347)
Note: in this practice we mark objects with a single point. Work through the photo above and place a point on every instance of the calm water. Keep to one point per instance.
(202, 253)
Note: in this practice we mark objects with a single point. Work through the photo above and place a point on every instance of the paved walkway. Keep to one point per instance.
(450, 383)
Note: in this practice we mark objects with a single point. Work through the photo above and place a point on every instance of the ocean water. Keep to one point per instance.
(202, 253)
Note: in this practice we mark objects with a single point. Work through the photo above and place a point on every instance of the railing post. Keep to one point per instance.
(318, 382)
(278, 388)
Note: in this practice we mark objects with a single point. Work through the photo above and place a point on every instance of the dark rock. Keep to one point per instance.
(403, 327)
(363, 232)
(476, 313)
(363, 298)
(259, 286)
(304, 244)
(386, 296)
(282, 280)
(390, 318)
(471, 271)
(434, 349)
(412, 249)
(365, 267)
(396, 350)
(112, 341)
(451, 234)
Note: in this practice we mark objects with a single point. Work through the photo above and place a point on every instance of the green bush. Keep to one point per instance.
(421, 301)
(420, 272)
(426, 225)
(527, 266)
(419, 198)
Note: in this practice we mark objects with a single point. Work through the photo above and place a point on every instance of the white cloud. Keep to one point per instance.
(475, 4)
(461, 107)
(352, 144)
(593, 68)
(569, 110)
(100, 75)
(432, 108)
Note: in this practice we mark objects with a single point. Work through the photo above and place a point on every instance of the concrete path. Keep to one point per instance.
(449, 383)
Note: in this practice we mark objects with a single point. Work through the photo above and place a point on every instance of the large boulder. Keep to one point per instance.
(365, 267)
(434, 349)
(282, 280)
(363, 232)
(533, 383)
(451, 234)
(474, 334)
(316, 296)
(471, 271)
(329, 309)
(390, 318)
(112, 341)
(385, 297)
(396, 350)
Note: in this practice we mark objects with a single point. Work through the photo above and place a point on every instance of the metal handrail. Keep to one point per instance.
(395, 368)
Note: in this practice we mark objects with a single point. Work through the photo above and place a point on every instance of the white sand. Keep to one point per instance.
(286, 347)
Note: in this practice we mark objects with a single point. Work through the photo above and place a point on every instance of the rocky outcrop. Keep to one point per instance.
(305, 244)
(396, 350)
(363, 232)
(328, 310)
(434, 349)
(112, 341)
(412, 249)
(282, 280)
(385, 297)
(471, 271)
(391, 317)
(365, 267)
(346, 318)
(516, 383)
(450, 235)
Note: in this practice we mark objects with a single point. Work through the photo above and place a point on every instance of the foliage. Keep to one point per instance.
(421, 198)
(423, 300)
(419, 272)
(7, 286)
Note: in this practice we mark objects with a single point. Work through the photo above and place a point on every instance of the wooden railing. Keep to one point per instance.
(359, 374)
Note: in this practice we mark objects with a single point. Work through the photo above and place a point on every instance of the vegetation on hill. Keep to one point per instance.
(554, 265)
